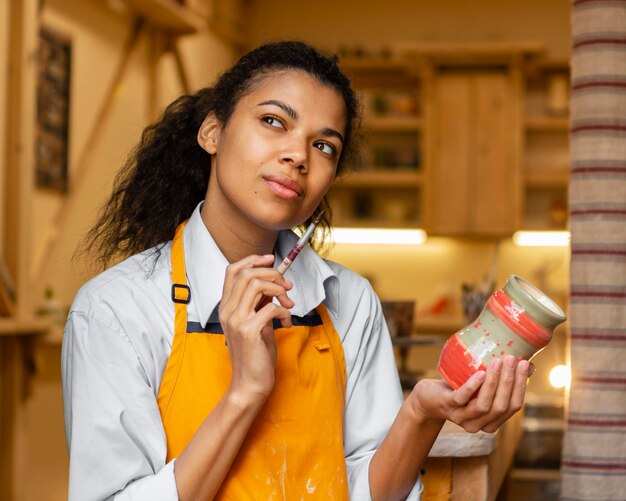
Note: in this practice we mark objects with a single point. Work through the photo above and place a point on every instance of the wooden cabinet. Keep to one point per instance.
(461, 140)
(473, 170)
(545, 169)
(385, 187)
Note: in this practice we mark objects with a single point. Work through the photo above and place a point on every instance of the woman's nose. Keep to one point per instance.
(295, 154)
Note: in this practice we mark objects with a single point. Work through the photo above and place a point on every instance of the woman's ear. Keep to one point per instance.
(208, 134)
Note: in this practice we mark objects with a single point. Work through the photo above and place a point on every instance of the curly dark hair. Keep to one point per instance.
(167, 173)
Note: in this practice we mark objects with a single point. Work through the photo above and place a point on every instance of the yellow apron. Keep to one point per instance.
(294, 448)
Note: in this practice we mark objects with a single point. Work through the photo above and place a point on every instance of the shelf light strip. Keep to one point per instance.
(378, 236)
(541, 238)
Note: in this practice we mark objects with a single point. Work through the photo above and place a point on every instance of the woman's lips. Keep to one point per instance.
(284, 187)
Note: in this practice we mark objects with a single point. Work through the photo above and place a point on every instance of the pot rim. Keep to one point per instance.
(547, 308)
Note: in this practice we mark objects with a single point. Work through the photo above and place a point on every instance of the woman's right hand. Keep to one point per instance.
(249, 333)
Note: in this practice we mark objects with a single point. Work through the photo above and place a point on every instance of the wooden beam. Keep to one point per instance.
(167, 15)
(16, 364)
(84, 160)
(180, 67)
(155, 49)
(7, 291)
(19, 154)
(228, 27)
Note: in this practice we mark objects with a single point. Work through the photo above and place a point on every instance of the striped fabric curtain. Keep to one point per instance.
(594, 451)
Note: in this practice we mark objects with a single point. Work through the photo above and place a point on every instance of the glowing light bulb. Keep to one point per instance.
(560, 376)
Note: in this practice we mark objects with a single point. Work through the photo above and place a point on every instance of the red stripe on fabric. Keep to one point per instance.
(520, 322)
(599, 252)
(605, 380)
(598, 294)
(599, 41)
(578, 2)
(599, 83)
(597, 424)
(581, 212)
(594, 466)
(600, 127)
(582, 170)
(599, 337)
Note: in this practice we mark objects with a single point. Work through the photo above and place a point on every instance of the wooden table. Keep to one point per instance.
(16, 367)
(463, 466)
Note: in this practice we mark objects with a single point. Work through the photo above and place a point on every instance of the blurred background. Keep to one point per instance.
(465, 123)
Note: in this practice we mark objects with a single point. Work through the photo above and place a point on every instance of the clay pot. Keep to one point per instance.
(517, 320)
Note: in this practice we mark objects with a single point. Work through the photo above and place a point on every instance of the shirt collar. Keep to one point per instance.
(313, 280)
(205, 266)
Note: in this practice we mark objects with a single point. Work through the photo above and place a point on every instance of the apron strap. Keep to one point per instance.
(181, 295)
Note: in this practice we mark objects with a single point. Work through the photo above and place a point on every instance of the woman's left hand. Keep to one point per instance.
(499, 394)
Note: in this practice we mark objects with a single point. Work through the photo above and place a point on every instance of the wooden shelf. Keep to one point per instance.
(11, 326)
(442, 324)
(393, 123)
(374, 63)
(381, 178)
(378, 72)
(375, 223)
(547, 123)
(418, 340)
(539, 67)
(168, 15)
(535, 224)
(546, 178)
(535, 474)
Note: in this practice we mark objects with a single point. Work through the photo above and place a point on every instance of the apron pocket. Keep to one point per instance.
(321, 345)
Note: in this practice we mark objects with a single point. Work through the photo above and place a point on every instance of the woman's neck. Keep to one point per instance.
(236, 239)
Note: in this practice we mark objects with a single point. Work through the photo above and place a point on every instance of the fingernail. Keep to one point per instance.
(525, 366)
(510, 361)
(496, 365)
(480, 375)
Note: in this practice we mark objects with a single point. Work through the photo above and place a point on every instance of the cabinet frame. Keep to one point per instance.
(519, 63)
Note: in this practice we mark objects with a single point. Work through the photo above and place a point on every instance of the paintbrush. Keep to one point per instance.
(293, 254)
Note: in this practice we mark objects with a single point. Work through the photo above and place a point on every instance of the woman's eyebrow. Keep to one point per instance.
(332, 133)
(327, 131)
(283, 106)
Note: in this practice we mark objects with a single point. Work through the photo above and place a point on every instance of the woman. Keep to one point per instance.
(177, 384)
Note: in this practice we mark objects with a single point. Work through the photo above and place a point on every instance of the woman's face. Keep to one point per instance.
(277, 156)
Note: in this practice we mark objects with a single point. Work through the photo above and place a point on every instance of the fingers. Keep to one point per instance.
(272, 311)
(248, 280)
(501, 401)
(462, 396)
(488, 390)
(249, 286)
(233, 270)
(499, 397)
(516, 400)
(478, 412)
(502, 406)
(260, 292)
(511, 399)
(261, 280)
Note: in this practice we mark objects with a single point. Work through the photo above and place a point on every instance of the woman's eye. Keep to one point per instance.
(273, 122)
(329, 149)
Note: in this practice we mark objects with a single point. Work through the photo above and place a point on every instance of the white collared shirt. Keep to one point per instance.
(117, 343)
